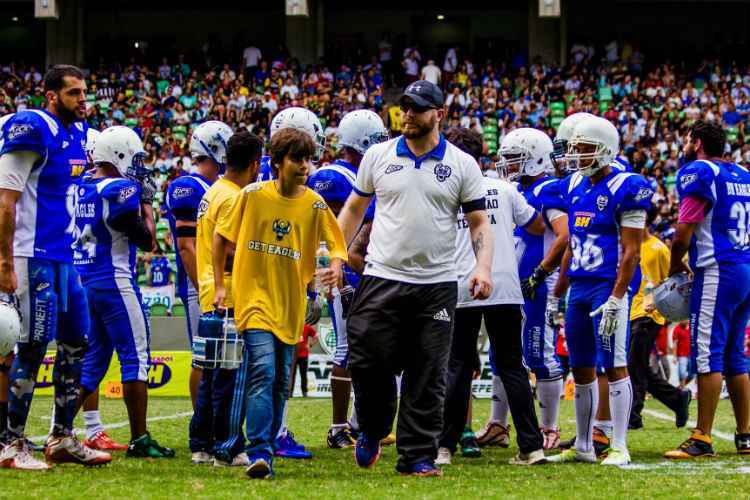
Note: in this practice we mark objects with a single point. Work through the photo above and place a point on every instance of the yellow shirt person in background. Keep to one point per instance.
(277, 227)
(243, 160)
(654, 270)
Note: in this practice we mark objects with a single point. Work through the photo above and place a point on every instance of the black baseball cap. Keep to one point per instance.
(423, 93)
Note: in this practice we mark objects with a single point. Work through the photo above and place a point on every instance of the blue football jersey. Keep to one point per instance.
(622, 164)
(594, 213)
(724, 234)
(184, 194)
(99, 251)
(543, 195)
(265, 173)
(160, 271)
(334, 183)
(45, 213)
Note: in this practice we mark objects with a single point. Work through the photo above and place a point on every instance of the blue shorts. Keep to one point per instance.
(53, 303)
(586, 347)
(719, 310)
(118, 323)
(539, 339)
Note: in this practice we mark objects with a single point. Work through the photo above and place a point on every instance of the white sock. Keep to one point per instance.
(549, 392)
(620, 404)
(93, 422)
(586, 401)
(605, 426)
(500, 406)
(353, 422)
(336, 428)
(398, 386)
(283, 429)
(52, 419)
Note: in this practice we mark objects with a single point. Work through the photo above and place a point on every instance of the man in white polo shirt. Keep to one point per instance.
(401, 316)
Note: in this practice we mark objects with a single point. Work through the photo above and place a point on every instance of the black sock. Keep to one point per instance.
(3, 420)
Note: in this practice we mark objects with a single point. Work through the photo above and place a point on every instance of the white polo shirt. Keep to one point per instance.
(506, 208)
(413, 237)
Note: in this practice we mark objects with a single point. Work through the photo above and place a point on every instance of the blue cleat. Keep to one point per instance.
(287, 447)
(425, 468)
(366, 452)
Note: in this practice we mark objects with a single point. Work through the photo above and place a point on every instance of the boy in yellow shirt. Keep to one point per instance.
(212, 433)
(277, 227)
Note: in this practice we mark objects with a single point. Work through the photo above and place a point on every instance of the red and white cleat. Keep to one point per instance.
(17, 455)
(102, 441)
(68, 449)
(551, 438)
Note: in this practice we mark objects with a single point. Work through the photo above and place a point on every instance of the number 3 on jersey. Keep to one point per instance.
(741, 213)
(587, 255)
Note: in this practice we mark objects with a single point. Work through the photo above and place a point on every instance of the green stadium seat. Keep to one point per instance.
(555, 121)
(557, 108)
(158, 310)
(605, 94)
(732, 134)
(178, 310)
(142, 279)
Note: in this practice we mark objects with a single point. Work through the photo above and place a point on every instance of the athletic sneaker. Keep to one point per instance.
(101, 441)
(17, 455)
(572, 455)
(389, 439)
(469, 445)
(287, 447)
(742, 442)
(240, 460)
(68, 449)
(534, 458)
(616, 457)
(201, 458)
(494, 434)
(147, 447)
(601, 443)
(551, 438)
(682, 413)
(261, 467)
(443, 456)
(366, 452)
(696, 446)
(341, 439)
(425, 468)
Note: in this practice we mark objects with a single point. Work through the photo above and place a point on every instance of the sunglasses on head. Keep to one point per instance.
(406, 106)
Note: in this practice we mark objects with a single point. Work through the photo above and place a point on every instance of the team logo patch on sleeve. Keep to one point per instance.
(644, 194)
(601, 202)
(18, 130)
(442, 172)
(322, 186)
(688, 179)
(182, 192)
(125, 193)
(281, 227)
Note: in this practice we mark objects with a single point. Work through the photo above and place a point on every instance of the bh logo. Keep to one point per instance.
(159, 374)
(44, 377)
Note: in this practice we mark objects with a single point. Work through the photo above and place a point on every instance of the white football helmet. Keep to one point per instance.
(121, 147)
(210, 139)
(10, 326)
(599, 133)
(524, 152)
(304, 120)
(361, 129)
(91, 135)
(565, 132)
(672, 297)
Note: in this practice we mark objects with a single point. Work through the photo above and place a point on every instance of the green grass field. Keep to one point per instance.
(332, 473)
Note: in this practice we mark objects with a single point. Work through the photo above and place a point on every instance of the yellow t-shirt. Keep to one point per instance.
(654, 269)
(276, 239)
(214, 206)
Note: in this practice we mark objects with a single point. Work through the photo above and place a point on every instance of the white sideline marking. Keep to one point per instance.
(125, 423)
(678, 467)
(663, 416)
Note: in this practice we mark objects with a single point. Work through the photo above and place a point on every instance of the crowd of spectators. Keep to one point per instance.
(651, 103)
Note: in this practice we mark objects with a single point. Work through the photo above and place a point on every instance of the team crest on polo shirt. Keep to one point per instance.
(320, 205)
(442, 172)
(601, 202)
(281, 227)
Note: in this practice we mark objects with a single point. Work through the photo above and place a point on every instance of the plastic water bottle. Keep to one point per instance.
(648, 296)
(322, 261)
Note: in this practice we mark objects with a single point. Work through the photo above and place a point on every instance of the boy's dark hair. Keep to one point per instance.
(54, 79)
(467, 140)
(711, 135)
(293, 142)
(243, 148)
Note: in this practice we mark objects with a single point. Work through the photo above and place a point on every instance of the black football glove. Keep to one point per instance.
(530, 284)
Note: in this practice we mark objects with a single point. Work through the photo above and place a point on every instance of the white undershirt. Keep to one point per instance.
(15, 168)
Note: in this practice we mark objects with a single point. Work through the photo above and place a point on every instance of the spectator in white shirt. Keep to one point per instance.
(450, 64)
(289, 88)
(251, 57)
(431, 72)
(411, 67)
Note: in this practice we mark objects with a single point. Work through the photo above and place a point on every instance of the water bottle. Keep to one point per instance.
(322, 261)
(648, 297)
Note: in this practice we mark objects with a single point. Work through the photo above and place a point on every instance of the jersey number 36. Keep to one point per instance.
(586, 255)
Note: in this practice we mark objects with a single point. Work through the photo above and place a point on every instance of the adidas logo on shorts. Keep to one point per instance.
(442, 315)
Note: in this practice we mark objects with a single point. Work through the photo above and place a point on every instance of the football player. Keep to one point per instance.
(208, 150)
(526, 158)
(357, 131)
(41, 160)
(713, 226)
(606, 216)
(109, 227)
(560, 144)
